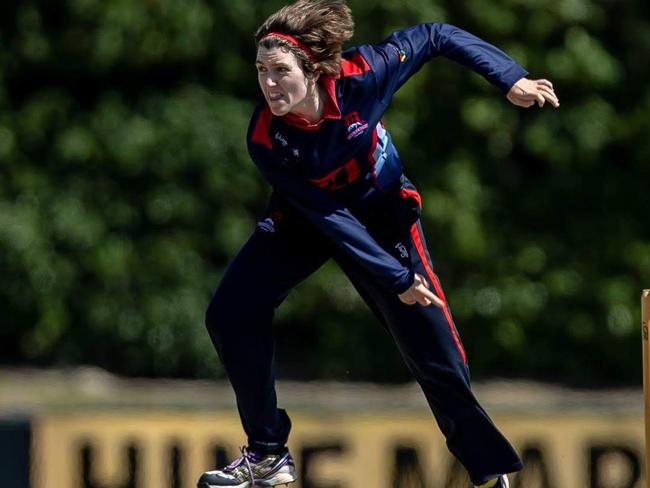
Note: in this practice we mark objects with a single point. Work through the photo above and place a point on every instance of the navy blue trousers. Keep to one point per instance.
(284, 250)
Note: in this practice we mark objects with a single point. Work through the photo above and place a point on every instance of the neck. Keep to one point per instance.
(311, 108)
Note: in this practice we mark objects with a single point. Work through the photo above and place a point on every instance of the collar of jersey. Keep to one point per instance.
(330, 108)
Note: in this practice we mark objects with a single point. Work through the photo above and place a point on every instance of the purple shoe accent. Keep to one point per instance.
(247, 457)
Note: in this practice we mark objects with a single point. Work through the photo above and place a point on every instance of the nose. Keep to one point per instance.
(269, 81)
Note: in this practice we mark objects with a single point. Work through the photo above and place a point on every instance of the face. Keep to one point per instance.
(282, 80)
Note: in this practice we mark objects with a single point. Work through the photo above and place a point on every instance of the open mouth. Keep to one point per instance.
(274, 97)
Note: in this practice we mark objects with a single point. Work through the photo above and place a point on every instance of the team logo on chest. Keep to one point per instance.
(354, 125)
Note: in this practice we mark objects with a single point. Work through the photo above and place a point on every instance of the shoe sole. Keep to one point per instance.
(280, 479)
(245, 484)
(283, 479)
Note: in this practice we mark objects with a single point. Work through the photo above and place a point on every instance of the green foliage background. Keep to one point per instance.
(125, 188)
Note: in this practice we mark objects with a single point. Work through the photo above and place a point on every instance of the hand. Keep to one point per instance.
(419, 293)
(526, 92)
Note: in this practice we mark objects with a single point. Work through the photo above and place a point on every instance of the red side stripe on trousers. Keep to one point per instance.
(417, 240)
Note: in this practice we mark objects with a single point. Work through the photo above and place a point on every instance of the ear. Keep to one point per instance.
(315, 76)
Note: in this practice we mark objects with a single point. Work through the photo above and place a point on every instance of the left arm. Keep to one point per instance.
(403, 54)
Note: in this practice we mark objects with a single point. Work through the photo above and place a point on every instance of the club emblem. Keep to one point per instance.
(354, 125)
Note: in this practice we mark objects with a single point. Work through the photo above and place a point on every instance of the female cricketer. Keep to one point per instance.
(339, 191)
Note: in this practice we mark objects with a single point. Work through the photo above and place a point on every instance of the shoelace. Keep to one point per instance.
(246, 457)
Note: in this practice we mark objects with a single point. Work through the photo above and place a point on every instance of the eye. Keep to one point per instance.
(282, 69)
(261, 69)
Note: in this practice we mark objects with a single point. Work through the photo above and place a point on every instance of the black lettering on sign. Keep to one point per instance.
(220, 456)
(176, 466)
(408, 472)
(309, 458)
(613, 466)
(15, 452)
(130, 477)
(535, 472)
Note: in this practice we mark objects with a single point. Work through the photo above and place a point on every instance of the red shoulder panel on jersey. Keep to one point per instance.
(356, 65)
(261, 131)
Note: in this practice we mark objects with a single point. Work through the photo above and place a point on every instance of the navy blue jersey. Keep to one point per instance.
(334, 170)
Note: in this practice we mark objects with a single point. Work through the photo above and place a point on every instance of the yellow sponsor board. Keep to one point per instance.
(158, 449)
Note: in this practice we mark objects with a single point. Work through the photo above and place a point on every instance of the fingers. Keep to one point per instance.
(426, 297)
(545, 83)
(407, 299)
(420, 293)
(546, 88)
(525, 93)
(431, 298)
(549, 95)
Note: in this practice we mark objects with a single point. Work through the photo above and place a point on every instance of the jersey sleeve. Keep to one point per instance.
(333, 219)
(402, 55)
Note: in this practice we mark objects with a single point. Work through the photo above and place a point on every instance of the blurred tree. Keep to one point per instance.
(125, 188)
